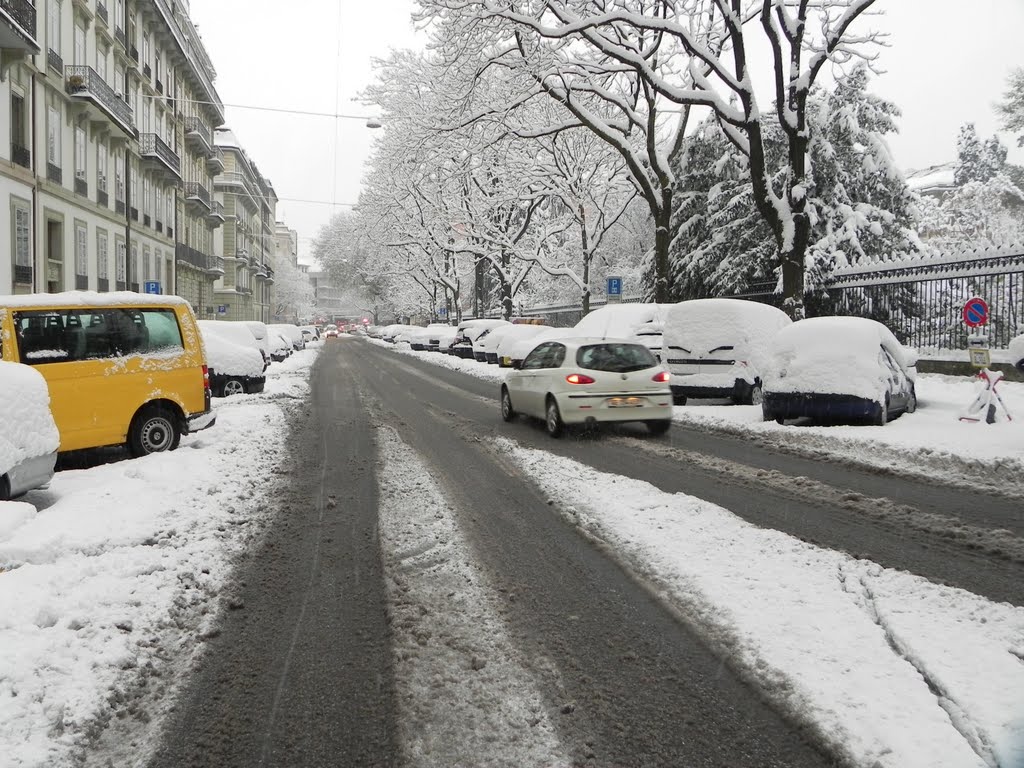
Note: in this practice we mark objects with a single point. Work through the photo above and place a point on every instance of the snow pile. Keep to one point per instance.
(27, 429)
(832, 355)
(114, 566)
(1015, 354)
(892, 670)
(226, 357)
(465, 694)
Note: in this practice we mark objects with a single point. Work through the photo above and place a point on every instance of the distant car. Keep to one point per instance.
(513, 351)
(28, 434)
(310, 333)
(468, 331)
(235, 368)
(489, 342)
(419, 337)
(440, 339)
(261, 334)
(716, 348)
(331, 333)
(1017, 353)
(838, 369)
(577, 380)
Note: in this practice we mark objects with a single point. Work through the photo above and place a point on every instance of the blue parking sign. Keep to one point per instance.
(614, 286)
(152, 286)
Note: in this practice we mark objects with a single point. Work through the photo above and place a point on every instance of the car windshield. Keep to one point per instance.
(615, 357)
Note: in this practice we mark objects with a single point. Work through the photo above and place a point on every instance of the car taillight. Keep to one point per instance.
(206, 377)
(662, 378)
(579, 378)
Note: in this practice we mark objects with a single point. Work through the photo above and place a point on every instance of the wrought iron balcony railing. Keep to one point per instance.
(54, 60)
(195, 125)
(119, 207)
(54, 173)
(81, 186)
(102, 197)
(101, 12)
(24, 13)
(85, 82)
(196, 191)
(119, 36)
(135, 213)
(151, 145)
(21, 155)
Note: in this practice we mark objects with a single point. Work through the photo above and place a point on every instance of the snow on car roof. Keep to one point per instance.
(91, 299)
(26, 423)
(701, 325)
(225, 356)
(618, 319)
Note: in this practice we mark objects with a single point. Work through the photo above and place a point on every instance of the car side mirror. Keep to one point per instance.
(911, 357)
(517, 364)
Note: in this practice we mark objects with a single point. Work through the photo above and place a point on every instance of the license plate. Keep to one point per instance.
(625, 402)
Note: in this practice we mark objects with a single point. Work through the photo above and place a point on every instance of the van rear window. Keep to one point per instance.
(58, 336)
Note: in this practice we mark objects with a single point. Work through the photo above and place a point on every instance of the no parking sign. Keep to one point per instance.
(975, 312)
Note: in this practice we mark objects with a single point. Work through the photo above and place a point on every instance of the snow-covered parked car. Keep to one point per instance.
(419, 336)
(1017, 353)
(280, 345)
(469, 331)
(717, 348)
(642, 321)
(240, 333)
(259, 332)
(236, 366)
(441, 338)
(390, 331)
(489, 342)
(291, 332)
(834, 369)
(28, 435)
(588, 380)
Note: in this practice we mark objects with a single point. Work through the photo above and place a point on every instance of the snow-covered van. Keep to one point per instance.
(717, 348)
(28, 436)
(122, 368)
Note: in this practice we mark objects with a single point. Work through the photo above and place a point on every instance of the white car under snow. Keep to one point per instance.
(28, 435)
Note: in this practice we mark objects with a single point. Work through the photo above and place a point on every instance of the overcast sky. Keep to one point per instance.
(946, 65)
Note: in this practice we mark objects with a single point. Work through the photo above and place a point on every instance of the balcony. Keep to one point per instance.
(21, 155)
(216, 266)
(54, 60)
(147, 220)
(186, 254)
(270, 273)
(101, 12)
(134, 53)
(159, 227)
(243, 289)
(156, 152)
(86, 87)
(102, 284)
(119, 207)
(135, 213)
(81, 185)
(216, 214)
(20, 32)
(147, 70)
(261, 271)
(159, 87)
(119, 36)
(215, 162)
(170, 231)
(22, 274)
(198, 134)
(102, 198)
(54, 173)
(197, 195)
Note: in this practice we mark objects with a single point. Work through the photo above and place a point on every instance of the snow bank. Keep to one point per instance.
(27, 428)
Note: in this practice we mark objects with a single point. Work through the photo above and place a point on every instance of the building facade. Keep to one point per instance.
(108, 157)
(247, 238)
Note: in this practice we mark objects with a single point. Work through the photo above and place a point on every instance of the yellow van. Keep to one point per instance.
(123, 368)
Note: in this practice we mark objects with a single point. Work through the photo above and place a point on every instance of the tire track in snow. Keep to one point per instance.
(465, 696)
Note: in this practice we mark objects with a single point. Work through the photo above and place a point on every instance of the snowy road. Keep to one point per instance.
(367, 567)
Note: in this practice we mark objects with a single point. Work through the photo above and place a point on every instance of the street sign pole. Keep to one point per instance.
(975, 314)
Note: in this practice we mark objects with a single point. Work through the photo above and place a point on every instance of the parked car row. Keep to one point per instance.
(826, 369)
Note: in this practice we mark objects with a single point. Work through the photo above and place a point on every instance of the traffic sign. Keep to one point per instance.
(151, 286)
(975, 312)
(614, 286)
(222, 309)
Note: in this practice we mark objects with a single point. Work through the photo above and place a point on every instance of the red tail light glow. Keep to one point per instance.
(662, 378)
(206, 377)
(579, 378)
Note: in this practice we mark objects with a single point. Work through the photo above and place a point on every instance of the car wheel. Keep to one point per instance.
(152, 431)
(233, 387)
(659, 427)
(507, 411)
(553, 418)
(912, 401)
(756, 397)
(881, 417)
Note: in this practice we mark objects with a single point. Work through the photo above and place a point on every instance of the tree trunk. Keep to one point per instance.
(662, 239)
(587, 258)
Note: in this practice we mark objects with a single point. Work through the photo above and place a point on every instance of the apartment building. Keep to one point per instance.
(108, 157)
(246, 240)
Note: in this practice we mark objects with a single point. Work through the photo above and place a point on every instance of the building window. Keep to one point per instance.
(101, 165)
(121, 266)
(147, 272)
(79, 45)
(53, 136)
(80, 152)
(102, 257)
(22, 226)
(81, 251)
(136, 267)
(119, 175)
(53, 26)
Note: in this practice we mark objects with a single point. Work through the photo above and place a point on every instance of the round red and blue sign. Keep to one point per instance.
(975, 312)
